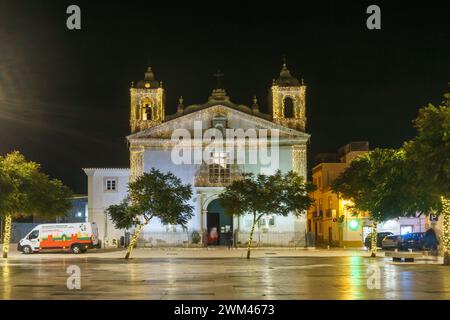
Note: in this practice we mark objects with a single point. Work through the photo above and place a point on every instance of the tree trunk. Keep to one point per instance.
(7, 235)
(250, 240)
(446, 231)
(134, 239)
(374, 238)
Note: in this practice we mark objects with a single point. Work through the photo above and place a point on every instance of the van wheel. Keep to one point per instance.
(76, 248)
(27, 250)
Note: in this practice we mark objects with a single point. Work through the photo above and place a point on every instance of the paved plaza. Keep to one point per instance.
(222, 274)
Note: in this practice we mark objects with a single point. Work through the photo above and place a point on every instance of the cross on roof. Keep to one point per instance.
(219, 76)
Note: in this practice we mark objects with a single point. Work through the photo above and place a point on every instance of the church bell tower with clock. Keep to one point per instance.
(147, 103)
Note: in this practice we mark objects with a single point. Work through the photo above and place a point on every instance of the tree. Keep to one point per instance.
(152, 195)
(279, 194)
(25, 191)
(429, 155)
(376, 183)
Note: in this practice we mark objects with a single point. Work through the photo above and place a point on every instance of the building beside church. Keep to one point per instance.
(152, 145)
(331, 220)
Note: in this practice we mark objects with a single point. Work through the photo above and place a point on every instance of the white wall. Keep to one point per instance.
(161, 159)
(395, 225)
(99, 200)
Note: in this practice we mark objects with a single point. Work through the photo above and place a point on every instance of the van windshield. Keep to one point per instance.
(33, 235)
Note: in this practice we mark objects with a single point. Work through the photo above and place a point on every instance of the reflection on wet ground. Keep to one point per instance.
(223, 278)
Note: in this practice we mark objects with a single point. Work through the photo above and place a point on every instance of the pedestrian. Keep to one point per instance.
(213, 235)
(430, 241)
(230, 239)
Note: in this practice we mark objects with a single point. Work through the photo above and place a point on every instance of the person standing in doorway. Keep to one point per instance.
(230, 239)
(213, 236)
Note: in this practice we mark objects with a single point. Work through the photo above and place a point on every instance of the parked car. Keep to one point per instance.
(414, 241)
(380, 237)
(391, 242)
(78, 237)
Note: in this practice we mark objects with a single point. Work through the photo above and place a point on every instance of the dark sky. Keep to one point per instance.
(64, 95)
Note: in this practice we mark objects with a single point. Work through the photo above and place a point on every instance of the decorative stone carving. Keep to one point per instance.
(136, 162)
(299, 159)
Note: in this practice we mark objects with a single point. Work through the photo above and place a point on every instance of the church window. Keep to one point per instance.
(288, 107)
(147, 112)
(267, 221)
(219, 170)
(110, 184)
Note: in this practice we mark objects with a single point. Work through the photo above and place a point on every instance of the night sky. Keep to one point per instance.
(64, 95)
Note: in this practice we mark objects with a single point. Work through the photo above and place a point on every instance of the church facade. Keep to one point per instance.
(208, 145)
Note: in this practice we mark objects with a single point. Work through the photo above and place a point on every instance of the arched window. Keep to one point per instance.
(147, 112)
(288, 107)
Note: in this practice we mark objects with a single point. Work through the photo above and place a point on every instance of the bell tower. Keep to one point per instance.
(287, 98)
(147, 103)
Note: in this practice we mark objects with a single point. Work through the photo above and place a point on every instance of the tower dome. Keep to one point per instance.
(286, 79)
(149, 81)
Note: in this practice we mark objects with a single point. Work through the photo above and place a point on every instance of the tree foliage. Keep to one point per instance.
(376, 182)
(279, 194)
(152, 195)
(25, 191)
(429, 154)
(259, 195)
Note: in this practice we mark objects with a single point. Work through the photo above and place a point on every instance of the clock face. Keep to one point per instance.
(147, 85)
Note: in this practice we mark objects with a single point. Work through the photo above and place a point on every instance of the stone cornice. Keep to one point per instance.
(93, 171)
(167, 144)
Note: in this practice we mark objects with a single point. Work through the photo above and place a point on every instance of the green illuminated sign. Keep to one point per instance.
(353, 224)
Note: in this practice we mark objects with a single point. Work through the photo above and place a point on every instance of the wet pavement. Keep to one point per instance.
(266, 276)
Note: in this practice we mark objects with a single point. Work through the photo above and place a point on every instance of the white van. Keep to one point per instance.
(77, 237)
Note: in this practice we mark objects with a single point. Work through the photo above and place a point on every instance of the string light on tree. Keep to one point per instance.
(446, 226)
(7, 236)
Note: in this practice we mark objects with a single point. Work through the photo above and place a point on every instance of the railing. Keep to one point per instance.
(272, 239)
(163, 239)
(260, 239)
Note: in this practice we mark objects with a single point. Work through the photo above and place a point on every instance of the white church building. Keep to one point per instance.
(156, 140)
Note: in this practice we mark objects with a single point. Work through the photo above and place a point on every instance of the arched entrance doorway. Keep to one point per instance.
(219, 224)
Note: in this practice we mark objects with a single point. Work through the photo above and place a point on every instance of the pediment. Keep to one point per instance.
(235, 120)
